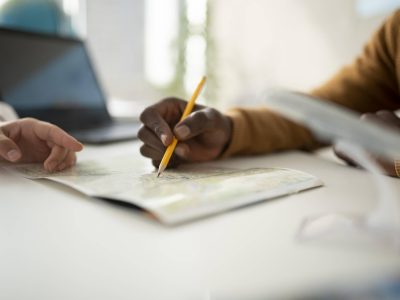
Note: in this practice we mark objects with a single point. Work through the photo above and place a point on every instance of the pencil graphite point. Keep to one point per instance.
(160, 170)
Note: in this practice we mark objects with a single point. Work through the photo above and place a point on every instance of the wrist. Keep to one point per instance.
(228, 134)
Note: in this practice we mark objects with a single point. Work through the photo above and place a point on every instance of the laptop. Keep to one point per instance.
(52, 78)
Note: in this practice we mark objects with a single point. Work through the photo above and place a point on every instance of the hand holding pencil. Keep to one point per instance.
(188, 109)
(201, 136)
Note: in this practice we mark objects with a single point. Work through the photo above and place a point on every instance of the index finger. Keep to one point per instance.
(52, 133)
(152, 119)
(161, 115)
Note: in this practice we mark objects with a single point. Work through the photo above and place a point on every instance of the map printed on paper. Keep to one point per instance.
(179, 195)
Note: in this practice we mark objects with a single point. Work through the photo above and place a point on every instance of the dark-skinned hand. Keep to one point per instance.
(387, 118)
(202, 136)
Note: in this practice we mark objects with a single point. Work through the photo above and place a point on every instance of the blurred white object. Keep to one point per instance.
(335, 123)
(356, 138)
(380, 227)
(7, 113)
(386, 216)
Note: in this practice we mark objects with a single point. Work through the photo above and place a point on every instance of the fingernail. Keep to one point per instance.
(61, 167)
(180, 151)
(182, 131)
(164, 138)
(13, 155)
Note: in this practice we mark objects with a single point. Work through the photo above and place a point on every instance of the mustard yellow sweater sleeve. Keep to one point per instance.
(369, 84)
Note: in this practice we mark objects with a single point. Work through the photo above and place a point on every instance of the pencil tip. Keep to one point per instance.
(160, 170)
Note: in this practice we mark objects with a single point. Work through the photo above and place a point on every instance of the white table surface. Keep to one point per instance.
(58, 244)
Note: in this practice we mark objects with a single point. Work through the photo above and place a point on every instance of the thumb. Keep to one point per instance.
(8, 149)
(197, 123)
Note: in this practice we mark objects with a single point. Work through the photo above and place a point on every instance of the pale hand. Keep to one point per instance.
(29, 141)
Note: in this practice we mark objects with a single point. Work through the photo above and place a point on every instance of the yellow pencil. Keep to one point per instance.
(188, 109)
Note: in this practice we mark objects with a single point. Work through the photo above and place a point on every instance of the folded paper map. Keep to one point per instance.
(179, 195)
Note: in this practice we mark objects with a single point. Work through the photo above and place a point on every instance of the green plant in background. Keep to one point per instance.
(211, 59)
(176, 87)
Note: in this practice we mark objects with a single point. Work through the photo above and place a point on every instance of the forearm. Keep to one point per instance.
(259, 130)
(370, 83)
(367, 85)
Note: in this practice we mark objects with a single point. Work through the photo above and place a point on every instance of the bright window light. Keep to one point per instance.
(195, 61)
(161, 32)
(71, 7)
(196, 45)
(76, 10)
(196, 11)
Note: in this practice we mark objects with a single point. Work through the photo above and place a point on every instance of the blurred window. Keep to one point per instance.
(47, 16)
(176, 47)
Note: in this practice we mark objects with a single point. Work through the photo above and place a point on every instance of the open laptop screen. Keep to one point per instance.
(50, 78)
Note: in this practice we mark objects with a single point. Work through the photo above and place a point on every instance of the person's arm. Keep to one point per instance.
(371, 83)
(368, 85)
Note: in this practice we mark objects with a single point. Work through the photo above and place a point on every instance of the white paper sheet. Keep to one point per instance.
(179, 195)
